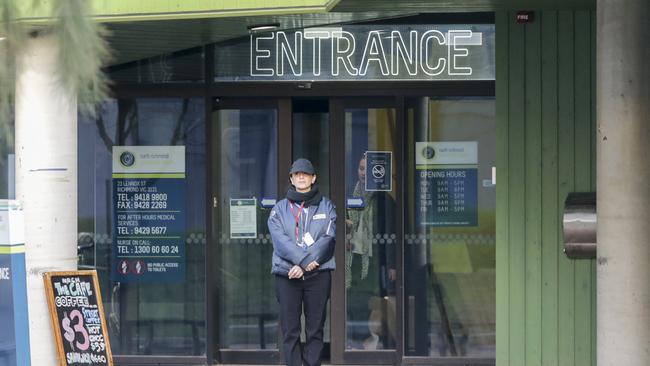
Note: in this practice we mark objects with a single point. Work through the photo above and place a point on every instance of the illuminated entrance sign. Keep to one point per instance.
(430, 53)
(364, 52)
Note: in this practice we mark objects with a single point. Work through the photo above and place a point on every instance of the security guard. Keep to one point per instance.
(303, 228)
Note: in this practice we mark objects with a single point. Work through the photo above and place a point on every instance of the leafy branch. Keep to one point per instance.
(83, 52)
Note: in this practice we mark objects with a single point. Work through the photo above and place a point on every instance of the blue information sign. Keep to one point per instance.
(379, 166)
(14, 337)
(148, 214)
(447, 197)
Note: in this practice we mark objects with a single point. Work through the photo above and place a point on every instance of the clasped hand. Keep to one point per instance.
(297, 272)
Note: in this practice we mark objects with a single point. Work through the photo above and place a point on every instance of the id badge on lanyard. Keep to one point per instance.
(296, 217)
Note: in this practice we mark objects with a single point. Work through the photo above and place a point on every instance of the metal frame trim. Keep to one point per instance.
(158, 360)
(337, 195)
(461, 361)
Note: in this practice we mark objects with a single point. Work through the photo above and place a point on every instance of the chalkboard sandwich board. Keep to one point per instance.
(77, 315)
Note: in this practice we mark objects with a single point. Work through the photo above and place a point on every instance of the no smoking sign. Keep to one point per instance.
(380, 165)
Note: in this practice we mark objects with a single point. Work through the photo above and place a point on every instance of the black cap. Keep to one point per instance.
(302, 165)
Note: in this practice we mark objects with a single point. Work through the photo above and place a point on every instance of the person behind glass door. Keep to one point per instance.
(303, 230)
(370, 274)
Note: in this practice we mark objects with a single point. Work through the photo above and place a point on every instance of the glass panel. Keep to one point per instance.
(311, 140)
(450, 228)
(311, 137)
(247, 156)
(7, 155)
(164, 316)
(370, 271)
(185, 66)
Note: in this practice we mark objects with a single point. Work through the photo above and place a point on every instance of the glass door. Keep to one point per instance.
(449, 225)
(254, 143)
(246, 150)
(415, 279)
(412, 180)
(367, 267)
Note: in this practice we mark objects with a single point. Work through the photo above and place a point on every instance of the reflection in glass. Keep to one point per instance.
(450, 229)
(156, 318)
(247, 158)
(184, 66)
(370, 271)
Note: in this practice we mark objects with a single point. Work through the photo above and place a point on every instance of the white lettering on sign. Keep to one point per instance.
(291, 55)
(260, 54)
(406, 54)
(429, 38)
(345, 47)
(4, 273)
(431, 52)
(455, 52)
(74, 289)
(315, 36)
(374, 52)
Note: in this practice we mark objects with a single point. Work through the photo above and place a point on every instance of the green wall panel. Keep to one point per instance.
(550, 204)
(517, 195)
(546, 116)
(566, 182)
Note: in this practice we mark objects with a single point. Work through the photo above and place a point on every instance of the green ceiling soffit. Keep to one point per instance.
(40, 11)
(423, 6)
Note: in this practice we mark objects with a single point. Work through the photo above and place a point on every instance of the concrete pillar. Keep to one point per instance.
(623, 113)
(46, 180)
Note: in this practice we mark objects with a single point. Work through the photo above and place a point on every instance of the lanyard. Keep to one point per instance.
(296, 216)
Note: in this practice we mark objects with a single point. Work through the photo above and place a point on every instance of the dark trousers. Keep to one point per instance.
(313, 293)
